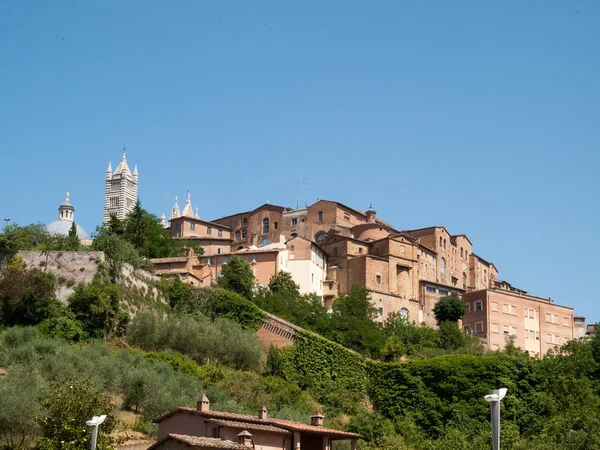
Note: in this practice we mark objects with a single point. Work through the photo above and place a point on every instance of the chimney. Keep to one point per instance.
(371, 215)
(262, 413)
(203, 404)
(245, 439)
(316, 420)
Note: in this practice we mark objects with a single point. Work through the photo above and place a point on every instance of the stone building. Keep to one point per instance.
(120, 193)
(201, 428)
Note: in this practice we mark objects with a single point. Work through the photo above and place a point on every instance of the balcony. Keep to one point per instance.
(330, 288)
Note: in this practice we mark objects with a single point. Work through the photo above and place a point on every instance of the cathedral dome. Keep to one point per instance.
(62, 226)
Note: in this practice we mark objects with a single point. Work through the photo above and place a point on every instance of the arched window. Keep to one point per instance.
(237, 235)
(466, 255)
(320, 237)
(464, 281)
(444, 243)
(461, 252)
(266, 225)
(484, 273)
(264, 242)
(404, 314)
(441, 242)
(442, 266)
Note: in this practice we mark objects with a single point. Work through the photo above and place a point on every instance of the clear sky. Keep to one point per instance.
(482, 116)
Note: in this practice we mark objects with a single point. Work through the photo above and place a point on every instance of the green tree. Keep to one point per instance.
(449, 309)
(283, 283)
(237, 276)
(14, 237)
(97, 306)
(19, 406)
(27, 296)
(118, 252)
(73, 240)
(136, 228)
(450, 337)
(181, 297)
(69, 405)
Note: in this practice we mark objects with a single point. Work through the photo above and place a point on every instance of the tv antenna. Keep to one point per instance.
(300, 182)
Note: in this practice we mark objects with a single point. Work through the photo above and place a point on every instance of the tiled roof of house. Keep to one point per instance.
(169, 260)
(287, 424)
(247, 426)
(199, 442)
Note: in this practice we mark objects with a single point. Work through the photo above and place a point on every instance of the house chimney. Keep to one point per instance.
(245, 438)
(203, 404)
(262, 413)
(371, 215)
(316, 420)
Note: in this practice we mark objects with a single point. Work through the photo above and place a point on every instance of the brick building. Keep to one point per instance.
(536, 324)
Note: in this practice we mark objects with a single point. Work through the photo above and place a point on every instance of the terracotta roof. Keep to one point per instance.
(199, 442)
(287, 424)
(195, 219)
(169, 260)
(247, 426)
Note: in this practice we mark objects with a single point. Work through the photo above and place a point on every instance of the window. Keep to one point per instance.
(441, 242)
(177, 228)
(360, 250)
(331, 285)
(495, 328)
(484, 273)
(312, 277)
(114, 202)
(442, 266)
(479, 305)
(505, 308)
(443, 292)
(556, 319)
(494, 306)
(566, 321)
(245, 220)
(531, 313)
(467, 307)
(464, 281)
(461, 252)
(192, 226)
(556, 339)
(378, 279)
(320, 237)
(549, 339)
(225, 259)
(245, 233)
(505, 329)
(513, 310)
(320, 216)
(466, 255)
(513, 331)
(220, 233)
(380, 312)
(208, 230)
(237, 235)
(209, 260)
(478, 327)
(531, 334)
(335, 251)
(526, 334)
(404, 313)
(275, 225)
(430, 289)
(444, 243)
(346, 217)
(467, 329)
(219, 251)
(294, 221)
(548, 317)
(266, 225)
(264, 242)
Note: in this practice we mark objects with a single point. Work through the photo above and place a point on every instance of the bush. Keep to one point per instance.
(221, 341)
(229, 305)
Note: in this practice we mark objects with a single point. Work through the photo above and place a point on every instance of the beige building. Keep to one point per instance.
(536, 324)
(201, 428)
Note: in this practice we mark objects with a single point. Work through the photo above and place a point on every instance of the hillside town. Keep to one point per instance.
(328, 247)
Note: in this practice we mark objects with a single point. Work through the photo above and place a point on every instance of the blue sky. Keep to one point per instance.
(480, 116)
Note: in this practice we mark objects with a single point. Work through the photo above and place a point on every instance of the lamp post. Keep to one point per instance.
(95, 423)
(494, 398)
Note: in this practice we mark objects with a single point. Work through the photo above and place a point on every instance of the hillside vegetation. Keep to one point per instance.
(400, 385)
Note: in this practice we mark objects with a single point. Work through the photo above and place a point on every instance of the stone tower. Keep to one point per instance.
(121, 189)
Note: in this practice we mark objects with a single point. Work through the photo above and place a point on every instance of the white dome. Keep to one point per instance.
(62, 228)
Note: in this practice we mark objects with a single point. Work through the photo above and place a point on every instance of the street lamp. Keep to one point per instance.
(94, 423)
(494, 398)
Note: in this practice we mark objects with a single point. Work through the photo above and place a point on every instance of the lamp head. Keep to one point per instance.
(496, 395)
(96, 420)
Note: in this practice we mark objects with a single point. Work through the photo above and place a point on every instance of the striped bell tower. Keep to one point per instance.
(121, 189)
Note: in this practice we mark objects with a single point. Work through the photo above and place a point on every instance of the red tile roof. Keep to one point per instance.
(286, 424)
(247, 426)
(199, 442)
